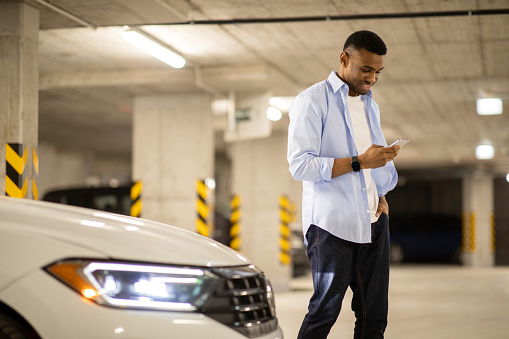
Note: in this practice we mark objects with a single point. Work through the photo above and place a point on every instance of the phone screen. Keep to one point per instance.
(399, 142)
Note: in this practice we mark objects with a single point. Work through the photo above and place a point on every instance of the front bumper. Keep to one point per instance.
(58, 312)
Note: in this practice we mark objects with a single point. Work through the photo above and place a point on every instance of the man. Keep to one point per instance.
(337, 149)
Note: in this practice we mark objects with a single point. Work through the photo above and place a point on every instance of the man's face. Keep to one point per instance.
(360, 70)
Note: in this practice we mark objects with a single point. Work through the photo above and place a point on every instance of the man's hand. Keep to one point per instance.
(377, 156)
(383, 206)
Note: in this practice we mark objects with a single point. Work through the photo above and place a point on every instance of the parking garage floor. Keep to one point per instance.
(425, 301)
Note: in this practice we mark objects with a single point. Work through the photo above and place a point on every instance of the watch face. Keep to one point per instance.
(356, 166)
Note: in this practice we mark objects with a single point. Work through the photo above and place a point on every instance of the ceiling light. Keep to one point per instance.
(483, 152)
(274, 114)
(154, 49)
(211, 183)
(489, 106)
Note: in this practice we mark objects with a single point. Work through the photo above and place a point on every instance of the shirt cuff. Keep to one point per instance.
(326, 168)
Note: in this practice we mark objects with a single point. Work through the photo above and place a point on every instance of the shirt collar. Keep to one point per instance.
(338, 84)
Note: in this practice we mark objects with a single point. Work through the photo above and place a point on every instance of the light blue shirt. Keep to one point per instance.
(321, 130)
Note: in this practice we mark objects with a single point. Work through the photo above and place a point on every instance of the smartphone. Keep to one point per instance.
(399, 142)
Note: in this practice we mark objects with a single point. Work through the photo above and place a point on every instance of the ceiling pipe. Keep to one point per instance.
(66, 14)
(287, 19)
(377, 16)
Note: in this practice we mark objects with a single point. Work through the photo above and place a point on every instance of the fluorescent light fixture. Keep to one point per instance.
(483, 152)
(507, 177)
(274, 114)
(154, 49)
(489, 106)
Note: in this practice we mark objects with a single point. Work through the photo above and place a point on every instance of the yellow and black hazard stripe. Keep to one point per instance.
(291, 211)
(136, 202)
(473, 232)
(284, 231)
(235, 226)
(16, 180)
(35, 173)
(202, 209)
(468, 232)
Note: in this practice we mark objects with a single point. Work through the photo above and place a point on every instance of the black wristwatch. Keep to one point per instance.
(356, 166)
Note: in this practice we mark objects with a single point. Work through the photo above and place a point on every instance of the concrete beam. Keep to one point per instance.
(224, 78)
(114, 78)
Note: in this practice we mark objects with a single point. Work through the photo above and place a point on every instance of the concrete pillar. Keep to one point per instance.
(19, 89)
(173, 147)
(478, 220)
(260, 175)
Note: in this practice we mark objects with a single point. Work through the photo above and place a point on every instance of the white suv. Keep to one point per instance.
(69, 272)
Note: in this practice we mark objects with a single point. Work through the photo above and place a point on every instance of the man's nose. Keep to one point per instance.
(372, 77)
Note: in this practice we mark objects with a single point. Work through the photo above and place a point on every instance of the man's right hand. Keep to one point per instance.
(377, 156)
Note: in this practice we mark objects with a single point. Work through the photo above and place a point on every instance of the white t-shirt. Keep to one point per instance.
(362, 139)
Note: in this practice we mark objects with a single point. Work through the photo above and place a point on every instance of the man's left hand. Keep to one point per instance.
(383, 206)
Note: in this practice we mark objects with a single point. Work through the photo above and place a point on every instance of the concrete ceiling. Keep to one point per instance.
(442, 56)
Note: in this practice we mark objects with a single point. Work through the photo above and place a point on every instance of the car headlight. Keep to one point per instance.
(133, 285)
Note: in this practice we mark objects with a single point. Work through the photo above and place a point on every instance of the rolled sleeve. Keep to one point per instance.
(326, 168)
(304, 141)
(308, 167)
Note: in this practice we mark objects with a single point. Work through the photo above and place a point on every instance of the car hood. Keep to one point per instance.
(112, 235)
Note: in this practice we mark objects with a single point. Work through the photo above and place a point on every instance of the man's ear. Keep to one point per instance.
(343, 58)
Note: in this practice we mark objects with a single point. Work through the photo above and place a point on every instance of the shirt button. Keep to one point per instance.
(367, 211)
(363, 189)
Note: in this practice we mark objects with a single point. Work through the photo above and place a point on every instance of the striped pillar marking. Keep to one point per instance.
(35, 173)
(284, 231)
(136, 202)
(16, 181)
(235, 226)
(473, 235)
(202, 210)
(292, 210)
(493, 239)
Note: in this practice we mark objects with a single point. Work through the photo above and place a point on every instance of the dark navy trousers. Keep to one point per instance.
(337, 264)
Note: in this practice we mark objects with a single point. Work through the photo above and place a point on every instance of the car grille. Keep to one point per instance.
(241, 302)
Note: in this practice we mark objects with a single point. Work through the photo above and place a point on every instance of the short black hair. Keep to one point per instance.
(368, 40)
